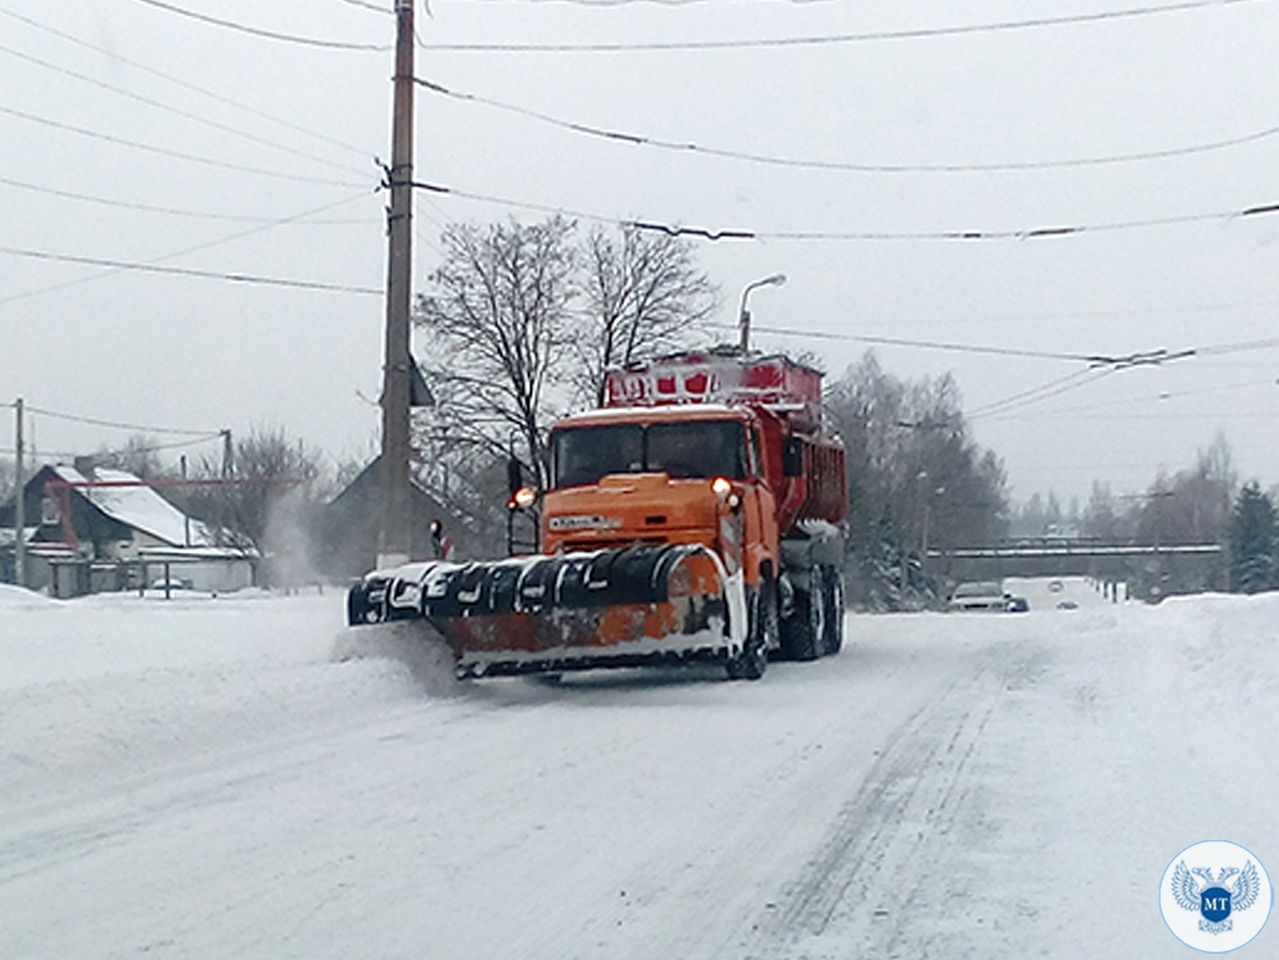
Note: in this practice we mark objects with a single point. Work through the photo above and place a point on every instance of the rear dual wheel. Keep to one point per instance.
(805, 627)
(815, 628)
(832, 609)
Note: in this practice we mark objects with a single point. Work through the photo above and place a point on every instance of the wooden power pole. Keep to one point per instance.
(393, 541)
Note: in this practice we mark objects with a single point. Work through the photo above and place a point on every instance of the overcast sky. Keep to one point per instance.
(135, 134)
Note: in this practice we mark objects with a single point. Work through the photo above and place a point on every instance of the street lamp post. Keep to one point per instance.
(744, 317)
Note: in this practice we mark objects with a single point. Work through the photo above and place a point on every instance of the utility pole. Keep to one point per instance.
(19, 507)
(228, 466)
(228, 454)
(393, 541)
(186, 514)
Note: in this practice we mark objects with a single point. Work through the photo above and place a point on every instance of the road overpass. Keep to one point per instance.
(1149, 570)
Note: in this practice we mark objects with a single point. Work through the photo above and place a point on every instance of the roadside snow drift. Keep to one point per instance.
(206, 778)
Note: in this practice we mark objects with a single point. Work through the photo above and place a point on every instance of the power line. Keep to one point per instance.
(919, 33)
(1094, 360)
(515, 204)
(177, 445)
(205, 246)
(190, 272)
(640, 140)
(1246, 346)
(709, 233)
(1072, 315)
(174, 110)
(115, 424)
(173, 153)
(1025, 233)
(1110, 406)
(152, 208)
(376, 8)
(149, 448)
(1141, 358)
(186, 84)
(622, 3)
(273, 35)
(1025, 398)
(919, 344)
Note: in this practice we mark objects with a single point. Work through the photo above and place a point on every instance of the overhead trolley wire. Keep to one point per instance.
(640, 140)
(1094, 360)
(190, 272)
(151, 265)
(171, 211)
(186, 114)
(919, 344)
(272, 34)
(1246, 346)
(1053, 388)
(186, 84)
(917, 33)
(164, 151)
(376, 8)
(1111, 405)
(734, 233)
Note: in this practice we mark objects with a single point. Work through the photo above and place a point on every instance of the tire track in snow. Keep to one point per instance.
(859, 886)
(714, 878)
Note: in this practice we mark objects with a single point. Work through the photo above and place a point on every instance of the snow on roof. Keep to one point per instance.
(140, 507)
(672, 411)
(7, 538)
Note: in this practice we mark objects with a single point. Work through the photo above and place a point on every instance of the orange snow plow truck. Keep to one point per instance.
(696, 516)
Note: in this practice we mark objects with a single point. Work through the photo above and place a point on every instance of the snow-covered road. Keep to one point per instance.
(200, 779)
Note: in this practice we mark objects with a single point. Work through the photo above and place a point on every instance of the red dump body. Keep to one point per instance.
(787, 398)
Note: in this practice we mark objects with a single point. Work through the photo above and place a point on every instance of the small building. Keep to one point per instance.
(94, 530)
(345, 543)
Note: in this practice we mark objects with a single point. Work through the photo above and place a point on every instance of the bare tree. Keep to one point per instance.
(1193, 506)
(139, 456)
(268, 465)
(1107, 517)
(500, 326)
(520, 321)
(644, 296)
(917, 479)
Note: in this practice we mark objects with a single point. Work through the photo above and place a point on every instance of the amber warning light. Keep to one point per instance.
(521, 499)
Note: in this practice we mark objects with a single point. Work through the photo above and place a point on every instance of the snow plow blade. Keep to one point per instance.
(616, 607)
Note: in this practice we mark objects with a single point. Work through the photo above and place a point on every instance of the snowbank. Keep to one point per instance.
(199, 778)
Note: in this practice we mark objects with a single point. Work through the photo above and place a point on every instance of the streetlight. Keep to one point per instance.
(776, 280)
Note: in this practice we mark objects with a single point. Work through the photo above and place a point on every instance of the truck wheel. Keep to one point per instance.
(833, 608)
(805, 627)
(761, 636)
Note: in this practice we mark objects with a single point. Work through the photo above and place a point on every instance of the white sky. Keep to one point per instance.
(181, 351)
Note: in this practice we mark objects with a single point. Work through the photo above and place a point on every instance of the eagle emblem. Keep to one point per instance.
(1215, 898)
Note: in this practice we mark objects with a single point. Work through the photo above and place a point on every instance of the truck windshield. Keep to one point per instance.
(698, 449)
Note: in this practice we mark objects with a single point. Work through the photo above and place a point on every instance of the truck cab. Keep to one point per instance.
(663, 475)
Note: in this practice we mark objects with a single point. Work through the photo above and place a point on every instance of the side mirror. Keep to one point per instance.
(792, 457)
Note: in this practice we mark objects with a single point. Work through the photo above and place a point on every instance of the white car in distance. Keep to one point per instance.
(982, 595)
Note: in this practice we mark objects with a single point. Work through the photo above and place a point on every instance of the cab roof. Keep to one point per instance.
(675, 413)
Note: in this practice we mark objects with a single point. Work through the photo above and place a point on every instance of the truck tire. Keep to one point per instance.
(833, 608)
(761, 636)
(805, 626)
